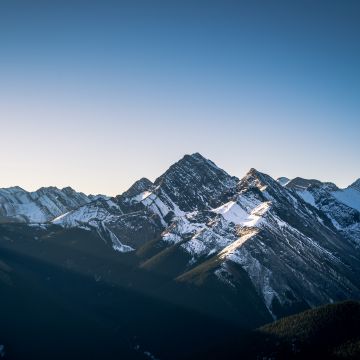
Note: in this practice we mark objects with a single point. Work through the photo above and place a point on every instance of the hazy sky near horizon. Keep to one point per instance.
(96, 94)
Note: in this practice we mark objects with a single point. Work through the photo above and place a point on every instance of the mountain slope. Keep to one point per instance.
(350, 196)
(283, 245)
(39, 206)
(315, 334)
(326, 332)
(204, 227)
(195, 183)
(288, 248)
(67, 295)
(341, 206)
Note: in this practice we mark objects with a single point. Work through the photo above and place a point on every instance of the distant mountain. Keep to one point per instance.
(350, 196)
(39, 206)
(341, 206)
(283, 180)
(299, 183)
(355, 185)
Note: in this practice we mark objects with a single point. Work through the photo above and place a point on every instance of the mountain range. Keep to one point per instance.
(245, 251)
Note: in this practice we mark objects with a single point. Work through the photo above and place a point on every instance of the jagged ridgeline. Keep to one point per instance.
(196, 241)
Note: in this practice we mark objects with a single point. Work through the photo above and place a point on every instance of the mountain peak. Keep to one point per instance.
(355, 185)
(255, 178)
(13, 189)
(283, 180)
(299, 183)
(253, 172)
(195, 182)
(47, 189)
(197, 155)
(193, 164)
(258, 176)
(139, 186)
(68, 189)
(39, 206)
(197, 159)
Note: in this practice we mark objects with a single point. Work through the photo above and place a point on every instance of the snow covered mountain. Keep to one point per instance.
(350, 196)
(341, 206)
(284, 245)
(39, 206)
(355, 185)
(147, 209)
(293, 246)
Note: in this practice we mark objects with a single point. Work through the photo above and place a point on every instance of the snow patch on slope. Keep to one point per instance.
(87, 213)
(307, 196)
(234, 213)
(229, 251)
(118, 245)
(349, 197)
(39, 206)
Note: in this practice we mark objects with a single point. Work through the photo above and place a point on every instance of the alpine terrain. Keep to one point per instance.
(196, 256)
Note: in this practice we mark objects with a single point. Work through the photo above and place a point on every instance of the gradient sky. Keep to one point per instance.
(96, 94)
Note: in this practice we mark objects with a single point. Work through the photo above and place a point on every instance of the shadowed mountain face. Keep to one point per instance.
(66, 286)
(326, 332)
(315, 334)
(235, 252)
(299, 183)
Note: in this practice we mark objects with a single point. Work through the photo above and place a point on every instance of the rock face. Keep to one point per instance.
(195, 183)
(299, 183)
(283, 180)
(341, 206)
(350, 196)
(294, 246)
(145, 210)
(39, 206)
(355, 185)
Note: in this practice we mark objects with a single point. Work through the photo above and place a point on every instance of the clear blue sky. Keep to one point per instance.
(95, 94)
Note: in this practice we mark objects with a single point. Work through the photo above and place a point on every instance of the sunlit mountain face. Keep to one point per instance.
(187, 266)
